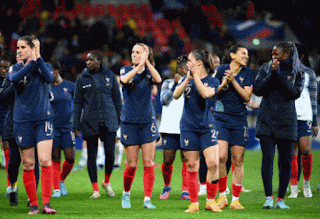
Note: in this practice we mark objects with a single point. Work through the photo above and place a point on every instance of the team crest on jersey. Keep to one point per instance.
(125, 137)
(108, 81)
(20, 139)
(186, 142)
(241, 80)
(65, 90)
(164, 142)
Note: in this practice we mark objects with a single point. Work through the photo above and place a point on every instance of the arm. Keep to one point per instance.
(205, 92)
(126, 79)
(77, 105)
(116, 96)
(313, 97)
(261, 86)
(16, 76)
(7, 91)
(289, 90)
(166, 94)
(244, 92)
(46, 70)
(182, 87)
(156, 78)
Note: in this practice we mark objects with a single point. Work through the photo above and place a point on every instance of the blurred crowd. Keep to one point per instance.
(69, 29)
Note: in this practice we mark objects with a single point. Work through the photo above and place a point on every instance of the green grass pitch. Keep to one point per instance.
(77, 203)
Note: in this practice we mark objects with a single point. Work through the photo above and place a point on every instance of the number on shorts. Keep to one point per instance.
(245, 132)
(73, 137)
(153, 128)
(48, 127)
(214, 134)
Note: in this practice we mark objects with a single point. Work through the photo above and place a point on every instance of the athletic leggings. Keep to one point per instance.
(285, 148)
(109, 139)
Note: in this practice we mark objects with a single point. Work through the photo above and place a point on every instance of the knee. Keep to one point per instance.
(168, 161)
(305, 152)
(223, 159)
(28, 164)
(237, 161)
(148, 162)
(45, 162)
(131, 164)
(70, 160)
(212, 165)
(193, 166)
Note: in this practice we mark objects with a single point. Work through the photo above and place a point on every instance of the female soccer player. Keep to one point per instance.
(32, 117)
(138, 121)
(197, 129)
(231, 119)
(170, 130)
(306, 108)
(62, 92)
(4, 67)
(97, 106)
(280, 82)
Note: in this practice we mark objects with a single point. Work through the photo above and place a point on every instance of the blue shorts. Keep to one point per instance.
(138, 134)
(233, 129)
(28, 134)
(198, 140)
(304, 128)
(170, 141)
(63, 138)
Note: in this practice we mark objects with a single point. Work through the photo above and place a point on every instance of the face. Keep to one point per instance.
(55, 74)
(183, 70)
(192, 59)
(241, 56)
(216, 61)
(136, 54)
(92, 62)
(4, 68)
(279, 54)
(23, 50)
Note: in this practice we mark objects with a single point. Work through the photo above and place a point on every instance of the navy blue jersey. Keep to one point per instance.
(228, 100)
(197, 114)
(32, 103)
(137, 103)
(62, 103)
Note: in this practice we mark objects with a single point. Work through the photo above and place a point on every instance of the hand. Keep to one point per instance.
(78, 134)
(189, 75)
(144, 58)
(191, 68)
(36, 44)
(229, 76)
(275, 64)
(177, 77)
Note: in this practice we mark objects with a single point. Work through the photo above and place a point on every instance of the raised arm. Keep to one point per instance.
(156, 78)
(204, 91)
(261, 86)
(182, 87)
(166, 94)
(45, 70)
(15, 75)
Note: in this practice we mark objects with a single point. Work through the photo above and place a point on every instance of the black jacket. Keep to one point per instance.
(277, 115)
(97, 100)
(7, 97)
